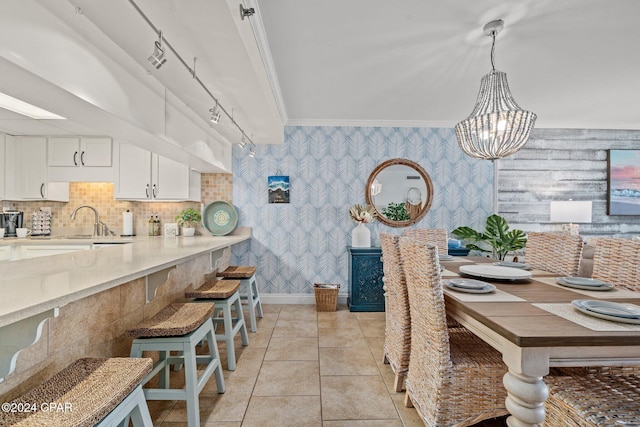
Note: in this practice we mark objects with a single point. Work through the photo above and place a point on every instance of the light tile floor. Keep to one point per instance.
(304, 368)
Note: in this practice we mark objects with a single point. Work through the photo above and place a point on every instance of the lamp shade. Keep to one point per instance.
(570, 211)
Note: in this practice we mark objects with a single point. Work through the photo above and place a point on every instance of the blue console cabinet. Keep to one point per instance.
(365, 279)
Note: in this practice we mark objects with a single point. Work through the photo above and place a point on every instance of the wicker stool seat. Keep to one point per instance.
(593, 400)
(174, 319)
(88, 392)
(215, 289)
(454, 377)
(238, 272)
(226, 296)
(180, 328)
(249, 294)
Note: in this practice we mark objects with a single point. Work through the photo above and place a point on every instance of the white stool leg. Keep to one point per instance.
(240, 321)
(247, 292)
(215, 353)
(228, 336)
(256, 296)
(191, 386)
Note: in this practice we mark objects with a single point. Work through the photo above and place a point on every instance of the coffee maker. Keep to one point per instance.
(10, 220)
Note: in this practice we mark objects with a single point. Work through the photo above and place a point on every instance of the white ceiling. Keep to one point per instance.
(576, 63)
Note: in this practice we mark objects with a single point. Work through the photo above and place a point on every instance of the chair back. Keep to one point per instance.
(397, 343)
(617, 261)
(554, 252)
(430, 236)
(429, 334)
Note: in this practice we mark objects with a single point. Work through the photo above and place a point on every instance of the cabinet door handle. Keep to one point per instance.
(75, 158)
(42, 190)
(146, 191)
(82, 158)
(154, 191)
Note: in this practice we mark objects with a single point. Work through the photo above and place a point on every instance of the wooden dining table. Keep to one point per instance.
(531, 339)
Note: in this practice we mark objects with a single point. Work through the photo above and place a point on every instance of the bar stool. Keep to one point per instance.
(225, 295)
(249, 294)
(88, 392)
(180, 327)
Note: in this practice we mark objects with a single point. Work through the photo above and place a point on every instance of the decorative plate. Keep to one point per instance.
(489, 271)
(580, 306)
(604, 287)
(220, 218)
(485, 290)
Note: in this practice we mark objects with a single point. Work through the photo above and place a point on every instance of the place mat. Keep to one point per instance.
(457, 259)
(448, 273)
(496, 296)
(612, 294)
(566, 311)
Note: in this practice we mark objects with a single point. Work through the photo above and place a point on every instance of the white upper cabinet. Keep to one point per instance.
(143, 175)
(80, 159)
(26, 171)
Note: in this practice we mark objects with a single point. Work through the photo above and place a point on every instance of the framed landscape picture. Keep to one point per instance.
(278, 189)
(623, 193)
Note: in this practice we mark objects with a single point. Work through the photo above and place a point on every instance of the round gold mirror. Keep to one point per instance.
(401, 192)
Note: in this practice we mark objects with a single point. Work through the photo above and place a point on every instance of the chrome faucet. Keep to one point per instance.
(99, 228)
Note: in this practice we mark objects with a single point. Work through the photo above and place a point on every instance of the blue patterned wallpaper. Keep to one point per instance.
(295, 245)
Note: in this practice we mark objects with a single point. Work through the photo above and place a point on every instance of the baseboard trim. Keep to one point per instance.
(294, 299)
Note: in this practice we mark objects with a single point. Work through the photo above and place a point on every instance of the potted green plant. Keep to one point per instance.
(496, 239)
(187, 219)
(396, 212)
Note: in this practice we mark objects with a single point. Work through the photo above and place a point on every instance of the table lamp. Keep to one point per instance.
(570, 213)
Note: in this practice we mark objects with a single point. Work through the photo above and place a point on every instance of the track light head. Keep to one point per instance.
(243, 141)
(246, 12)
(252, 150)
(215, 114)
(157, 58)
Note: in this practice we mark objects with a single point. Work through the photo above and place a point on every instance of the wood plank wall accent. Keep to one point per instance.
(562, 164)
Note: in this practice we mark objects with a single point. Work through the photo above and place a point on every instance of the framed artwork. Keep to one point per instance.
(278, 189)
(623, 184)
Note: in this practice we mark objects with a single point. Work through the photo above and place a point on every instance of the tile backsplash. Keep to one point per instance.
(100, 195)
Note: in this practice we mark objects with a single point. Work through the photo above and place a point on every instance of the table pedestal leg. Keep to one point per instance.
(525, 399)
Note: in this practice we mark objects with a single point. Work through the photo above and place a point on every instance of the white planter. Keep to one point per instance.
(361, 236)
(189, 231)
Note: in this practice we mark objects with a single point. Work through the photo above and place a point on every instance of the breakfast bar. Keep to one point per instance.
(53, 307)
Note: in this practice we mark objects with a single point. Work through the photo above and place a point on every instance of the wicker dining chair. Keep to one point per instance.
(430, 236)
(554, 252)
(617, 261)
(454, 377)
(397, 336)
(593, 400)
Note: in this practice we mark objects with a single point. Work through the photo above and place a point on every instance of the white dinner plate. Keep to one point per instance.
(603, 287)
(513, 264)
(631, 311)
(579, 305)
(485, 290)
(468, 283)
(582, 281)
(445, 257)
(490, 271)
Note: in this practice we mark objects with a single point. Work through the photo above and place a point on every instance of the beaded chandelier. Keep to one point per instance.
(497, 126)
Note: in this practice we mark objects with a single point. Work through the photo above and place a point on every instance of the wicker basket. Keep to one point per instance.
(326, 296)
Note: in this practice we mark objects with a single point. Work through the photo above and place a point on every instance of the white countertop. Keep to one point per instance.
(32, 286)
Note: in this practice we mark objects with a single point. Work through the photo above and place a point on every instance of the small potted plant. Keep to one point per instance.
(187, 219)
(497, 238)
(361, 236)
